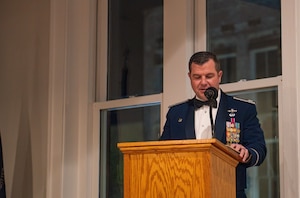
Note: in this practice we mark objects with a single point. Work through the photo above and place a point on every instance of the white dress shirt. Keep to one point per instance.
(202, 120)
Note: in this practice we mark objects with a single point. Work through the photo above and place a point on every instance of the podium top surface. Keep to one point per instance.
(176, 145)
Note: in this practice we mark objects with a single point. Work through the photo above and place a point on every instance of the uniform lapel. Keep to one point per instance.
(221, 119)
(190, 123)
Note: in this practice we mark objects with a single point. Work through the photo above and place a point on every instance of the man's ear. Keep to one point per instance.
(220, 74)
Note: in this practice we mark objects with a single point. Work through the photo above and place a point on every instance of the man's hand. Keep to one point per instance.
(244, 153)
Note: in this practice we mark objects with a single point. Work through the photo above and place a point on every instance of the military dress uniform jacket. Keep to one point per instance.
(180, 125)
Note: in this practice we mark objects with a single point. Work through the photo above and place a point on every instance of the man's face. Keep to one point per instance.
(204, 76)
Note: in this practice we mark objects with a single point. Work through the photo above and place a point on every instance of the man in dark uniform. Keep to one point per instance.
(231, 120)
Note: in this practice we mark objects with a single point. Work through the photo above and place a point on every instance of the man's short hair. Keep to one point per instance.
(202, 57)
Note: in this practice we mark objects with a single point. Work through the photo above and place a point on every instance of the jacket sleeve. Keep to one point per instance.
(166, 130)
(253, 137)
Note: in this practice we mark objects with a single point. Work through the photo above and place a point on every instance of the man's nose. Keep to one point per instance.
(203, 81)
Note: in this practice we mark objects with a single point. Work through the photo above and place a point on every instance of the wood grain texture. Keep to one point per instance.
(183, 169)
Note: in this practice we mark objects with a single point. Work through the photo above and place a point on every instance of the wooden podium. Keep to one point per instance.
(179, 169)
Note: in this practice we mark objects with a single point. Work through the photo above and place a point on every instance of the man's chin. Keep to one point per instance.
(201, 97)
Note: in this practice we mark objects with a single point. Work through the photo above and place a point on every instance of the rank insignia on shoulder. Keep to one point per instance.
(244, 100)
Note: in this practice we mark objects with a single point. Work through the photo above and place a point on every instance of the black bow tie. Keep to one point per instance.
(199, 103)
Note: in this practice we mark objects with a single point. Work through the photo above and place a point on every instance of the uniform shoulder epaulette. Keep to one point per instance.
(178, 103)
(244, 100)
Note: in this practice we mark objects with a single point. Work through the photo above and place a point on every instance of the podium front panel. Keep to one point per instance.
(167, 170)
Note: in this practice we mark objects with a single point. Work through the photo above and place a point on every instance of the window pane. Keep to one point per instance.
(135, 48)
(247, 35)
(124, 125)
(263, 181)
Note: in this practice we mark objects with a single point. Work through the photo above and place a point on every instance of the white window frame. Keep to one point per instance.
(180, 43)
(68, 29)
